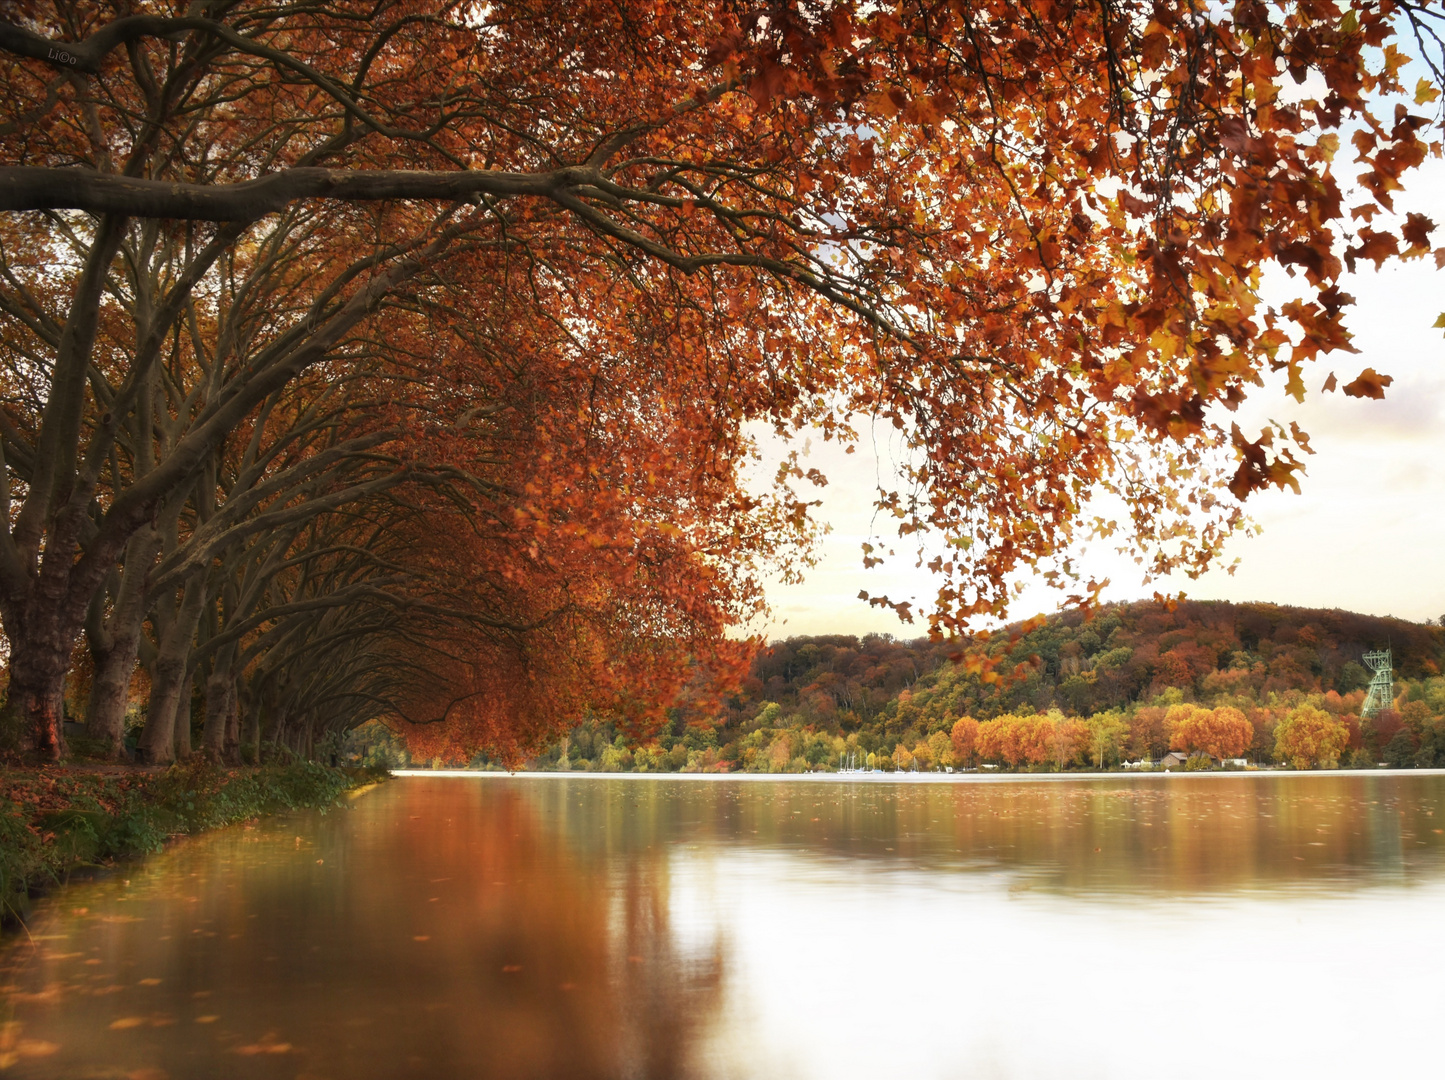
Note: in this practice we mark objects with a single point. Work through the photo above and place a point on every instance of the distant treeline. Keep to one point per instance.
(1209, 679)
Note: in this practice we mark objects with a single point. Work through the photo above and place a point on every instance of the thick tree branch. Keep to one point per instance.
(40, 188)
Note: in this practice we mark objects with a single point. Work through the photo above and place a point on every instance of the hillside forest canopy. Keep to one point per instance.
(1212, 681)
(396, 362)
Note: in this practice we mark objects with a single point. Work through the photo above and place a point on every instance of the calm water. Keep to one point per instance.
(1255, 926)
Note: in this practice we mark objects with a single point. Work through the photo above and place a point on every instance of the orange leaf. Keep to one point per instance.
(1370, 384)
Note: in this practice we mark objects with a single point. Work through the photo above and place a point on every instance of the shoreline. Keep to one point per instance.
(905, 778)
(60, 822)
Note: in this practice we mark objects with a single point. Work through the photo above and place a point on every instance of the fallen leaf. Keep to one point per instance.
(48, 995)
(262, 1048)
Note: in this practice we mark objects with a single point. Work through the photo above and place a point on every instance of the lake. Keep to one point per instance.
(1280, 925)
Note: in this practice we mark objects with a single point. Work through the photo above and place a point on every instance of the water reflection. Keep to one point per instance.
(1145, 836)
(603, 928)
(427, 932)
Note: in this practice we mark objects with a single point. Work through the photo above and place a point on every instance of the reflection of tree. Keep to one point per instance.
(530, 962)
(553, 947)
(1140, 835)
(1191, 837)
(668, 998)
(619, 833)
(552, 965)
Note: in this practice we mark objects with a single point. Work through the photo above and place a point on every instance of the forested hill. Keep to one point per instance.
(1126, 654)
(1091, 692)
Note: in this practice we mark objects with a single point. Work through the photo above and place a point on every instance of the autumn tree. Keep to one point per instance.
(1105, 737)
(520, 580)
(964, 738)
(1309, 738)
(1070, 739)
(940, 748)
(1224, 732)
(1016, 740)
(1029, 235)
(1148, 733)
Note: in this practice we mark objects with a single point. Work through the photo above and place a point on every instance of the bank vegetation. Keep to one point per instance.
(56, 822)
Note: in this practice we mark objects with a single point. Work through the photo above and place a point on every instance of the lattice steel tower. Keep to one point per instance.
(1381, 693)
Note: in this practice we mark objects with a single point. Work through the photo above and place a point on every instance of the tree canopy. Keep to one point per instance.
(576, 250)
(1127, 682)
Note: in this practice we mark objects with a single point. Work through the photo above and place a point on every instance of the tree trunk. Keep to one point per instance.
(220, 693)
(168, 678)
(44, 607)
(36, 704)
(240, 706)
(231, 750)
(251, 731)
(157, 741)
(41, 640)
(276, 730)
(183, 719)
(110, 690)
(110, 693)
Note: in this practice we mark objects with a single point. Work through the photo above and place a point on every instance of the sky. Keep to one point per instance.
(1366, 534)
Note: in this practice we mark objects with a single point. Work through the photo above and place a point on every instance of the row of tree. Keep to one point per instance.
(1306, 735)
(394, 359)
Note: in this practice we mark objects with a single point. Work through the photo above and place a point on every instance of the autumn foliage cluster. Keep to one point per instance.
(1281, 686)
(1052, 738)
(396, 361)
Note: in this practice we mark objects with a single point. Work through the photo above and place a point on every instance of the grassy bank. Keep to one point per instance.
(55, 820)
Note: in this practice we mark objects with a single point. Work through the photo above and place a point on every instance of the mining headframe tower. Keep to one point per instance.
(1380, 694)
